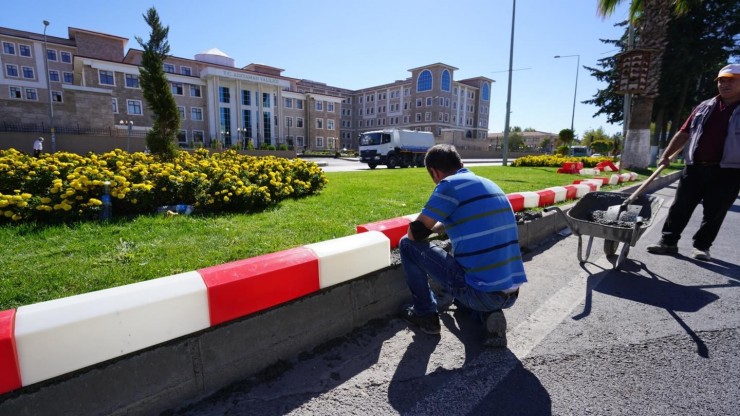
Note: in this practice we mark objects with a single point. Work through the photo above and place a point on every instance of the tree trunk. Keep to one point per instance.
(636, 151)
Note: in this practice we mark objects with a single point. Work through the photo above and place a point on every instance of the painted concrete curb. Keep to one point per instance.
(226, 343)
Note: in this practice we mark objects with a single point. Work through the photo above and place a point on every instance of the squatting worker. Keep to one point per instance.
(38, 147)
(484, 270)
(712, 172)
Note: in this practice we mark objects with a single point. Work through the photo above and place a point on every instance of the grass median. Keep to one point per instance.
(41, 262)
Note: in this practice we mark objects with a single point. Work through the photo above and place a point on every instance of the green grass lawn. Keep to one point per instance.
(39, 263)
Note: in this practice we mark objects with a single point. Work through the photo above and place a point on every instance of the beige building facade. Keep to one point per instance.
(89, 84)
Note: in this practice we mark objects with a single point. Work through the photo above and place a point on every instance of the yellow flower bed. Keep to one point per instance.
(67, 187)
(556, 161)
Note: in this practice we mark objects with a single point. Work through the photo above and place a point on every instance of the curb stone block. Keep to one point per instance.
(394, 228)
(243, 287)
(10, 375)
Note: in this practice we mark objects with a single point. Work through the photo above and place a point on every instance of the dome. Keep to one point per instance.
(215, 56)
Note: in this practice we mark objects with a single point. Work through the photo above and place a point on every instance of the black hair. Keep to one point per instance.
(443, 157)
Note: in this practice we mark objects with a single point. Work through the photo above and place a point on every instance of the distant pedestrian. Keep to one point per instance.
(38, 147)
(484, 270)
(712, 172)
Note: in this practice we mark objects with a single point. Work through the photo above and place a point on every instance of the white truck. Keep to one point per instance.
(395, 147)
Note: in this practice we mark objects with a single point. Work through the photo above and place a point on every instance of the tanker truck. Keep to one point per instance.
(395, 147)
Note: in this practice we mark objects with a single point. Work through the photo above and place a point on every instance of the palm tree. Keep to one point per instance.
(651, 18)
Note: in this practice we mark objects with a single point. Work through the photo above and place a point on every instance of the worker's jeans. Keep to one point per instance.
(422, 260)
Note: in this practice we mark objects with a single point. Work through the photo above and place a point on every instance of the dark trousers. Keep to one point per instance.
(716, 188)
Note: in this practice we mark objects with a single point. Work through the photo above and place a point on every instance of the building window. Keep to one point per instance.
(51, 54)
(429, 101)
(225, 118)
(288, 103)
(224, 95)
(16, 93)
(54, 76)
(330, 107)
(418, 102)
(181, 112)
(331, 142)
(246, 97)
(446, 80)
(266, 122)
(106, 77)
(68, 77)
(169, 68)
(266, 100)
(288, 121)
(299, 141)
(177, 88)
(198, 136)
(319, 123)
(133, 107)
(24, 50)
(28, 72)
(418, 117)
(319, 142)
(299, 104)
(247, 120)
(485, 93)
(428, 116)
(299, 122)
(11, 70)
(31, 94)
(9, 48)
(114, 105)
(56, 96)
(182, 138)
(195, 90)
(196, 113)
(330, 124)
(447, 102)
(66, 57)
(424, 83)
(186, 70)
(319, 105)
(132, 81)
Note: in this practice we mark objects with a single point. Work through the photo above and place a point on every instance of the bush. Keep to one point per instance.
(68, 187)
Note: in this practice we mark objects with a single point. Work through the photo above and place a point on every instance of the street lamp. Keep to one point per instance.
(578, 65)
(130, 125)
(48, 85)
(505, 149)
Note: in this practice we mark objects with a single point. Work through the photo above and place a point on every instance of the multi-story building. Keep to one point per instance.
(89, 84)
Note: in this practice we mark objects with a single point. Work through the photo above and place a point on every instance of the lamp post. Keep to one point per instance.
(130, 125)
(575, 91)
(505, 148)
(48, 85)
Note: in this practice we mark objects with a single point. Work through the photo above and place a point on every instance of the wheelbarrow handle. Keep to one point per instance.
(645, 184)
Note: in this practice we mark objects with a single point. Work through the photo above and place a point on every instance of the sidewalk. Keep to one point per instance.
(659, 336)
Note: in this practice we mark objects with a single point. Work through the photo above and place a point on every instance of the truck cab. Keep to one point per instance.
(395, 147)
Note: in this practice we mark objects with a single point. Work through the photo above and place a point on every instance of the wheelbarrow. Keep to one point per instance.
(583, 220)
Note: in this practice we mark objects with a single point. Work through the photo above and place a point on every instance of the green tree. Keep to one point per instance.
(546, 144)
(651, 18)
(566, 136)
(601, 146)
(516, 140)
(591, 136)
(156, 89)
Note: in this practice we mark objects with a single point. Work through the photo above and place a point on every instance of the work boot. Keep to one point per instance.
(495, 330)
(662, 248)
(427, 323)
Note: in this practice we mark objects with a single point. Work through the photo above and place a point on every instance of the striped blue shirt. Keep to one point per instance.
(482, 228)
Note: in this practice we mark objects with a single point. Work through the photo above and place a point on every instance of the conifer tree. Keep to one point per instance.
(156, 89)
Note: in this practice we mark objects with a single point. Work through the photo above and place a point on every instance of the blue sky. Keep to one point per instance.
(353, 44)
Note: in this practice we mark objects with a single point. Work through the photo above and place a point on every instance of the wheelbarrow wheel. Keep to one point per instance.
(610, 247)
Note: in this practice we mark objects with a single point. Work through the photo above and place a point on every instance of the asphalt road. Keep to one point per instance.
(350, 165)
(659, 337)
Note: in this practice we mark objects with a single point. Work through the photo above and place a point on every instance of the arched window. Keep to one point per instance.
(486, 91)
(446, 80)
(424, 83)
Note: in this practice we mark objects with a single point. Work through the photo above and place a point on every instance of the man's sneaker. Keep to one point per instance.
(662, 248)
(495, 330)
(701, 254)
(427, 323)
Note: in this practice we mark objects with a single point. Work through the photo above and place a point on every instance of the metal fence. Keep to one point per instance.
(69, 129)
